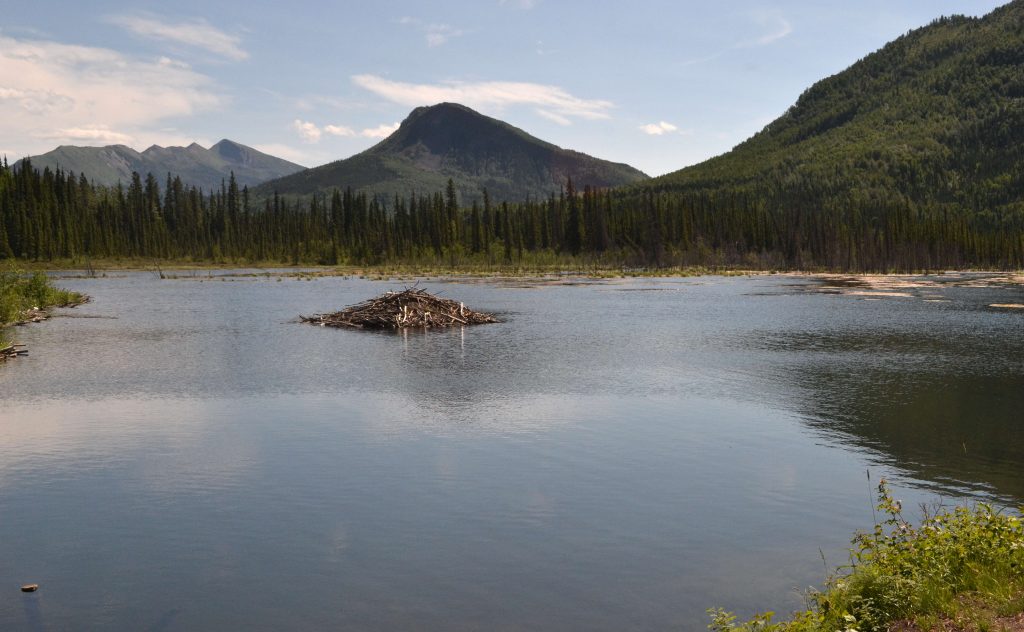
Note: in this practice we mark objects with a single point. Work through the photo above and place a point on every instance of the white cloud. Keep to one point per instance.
(312, 133)
(339, 130)
(381, 131)
(554, 100)
(91, 134)
(196, 33)
(658, 129)
(308, 132)
(54, 90)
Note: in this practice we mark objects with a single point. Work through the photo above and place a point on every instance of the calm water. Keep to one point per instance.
(182, 455)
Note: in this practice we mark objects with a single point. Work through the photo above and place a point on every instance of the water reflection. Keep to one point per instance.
(611, 456)
(943, 406)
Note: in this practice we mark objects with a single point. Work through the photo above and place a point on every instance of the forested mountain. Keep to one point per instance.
(450, 141)
(910, 148)
(195, 165)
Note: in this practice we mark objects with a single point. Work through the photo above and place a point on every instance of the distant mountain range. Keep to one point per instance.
(448, 140)
(204, 168)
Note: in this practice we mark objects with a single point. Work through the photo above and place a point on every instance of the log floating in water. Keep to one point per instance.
(411, 307)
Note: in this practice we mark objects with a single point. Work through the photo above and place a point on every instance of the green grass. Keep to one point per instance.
(20, 292)
(964, 566)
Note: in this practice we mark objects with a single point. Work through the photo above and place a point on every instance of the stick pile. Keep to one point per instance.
(411, 307)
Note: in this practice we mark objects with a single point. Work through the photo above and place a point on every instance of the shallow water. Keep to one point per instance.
(183, 455)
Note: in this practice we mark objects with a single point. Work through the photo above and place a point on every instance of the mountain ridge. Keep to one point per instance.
(194, 164)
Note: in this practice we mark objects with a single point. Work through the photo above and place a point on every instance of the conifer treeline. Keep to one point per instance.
(53, 215)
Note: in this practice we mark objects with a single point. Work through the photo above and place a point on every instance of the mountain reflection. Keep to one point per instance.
(947, 409)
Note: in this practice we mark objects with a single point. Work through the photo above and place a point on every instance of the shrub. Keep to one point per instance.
(967, 560)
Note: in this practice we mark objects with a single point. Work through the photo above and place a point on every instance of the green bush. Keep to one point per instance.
(965, 562)
(19, 293)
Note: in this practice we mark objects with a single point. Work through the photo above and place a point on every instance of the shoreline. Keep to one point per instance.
(25, 299)
(98, 268)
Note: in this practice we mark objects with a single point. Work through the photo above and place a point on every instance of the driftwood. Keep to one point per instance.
(12, 351)
(411, 307)
(33, 315)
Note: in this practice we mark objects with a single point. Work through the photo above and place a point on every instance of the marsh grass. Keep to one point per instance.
(960, 569)
(20, 293)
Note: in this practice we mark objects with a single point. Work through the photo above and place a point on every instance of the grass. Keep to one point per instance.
(959, 569)
(21, 293)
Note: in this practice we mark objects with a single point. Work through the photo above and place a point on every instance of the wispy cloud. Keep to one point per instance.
(439, 34)
(333, 102)
(293, 154)
(776, 27)
(289, 153)
(554, 118)
(435, 34)
(35, 101)
(553, 102)
(542, 51)
(525, 5)
(90, 94)
(658, 129)
(196, 33)
(312, 133)
(700, 60)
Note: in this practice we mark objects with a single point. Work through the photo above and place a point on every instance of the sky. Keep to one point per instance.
(656, 84)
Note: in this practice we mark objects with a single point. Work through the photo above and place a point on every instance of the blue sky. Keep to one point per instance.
(659, 85)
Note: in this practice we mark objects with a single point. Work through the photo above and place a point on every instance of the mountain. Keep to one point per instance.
(452, 141)
(935, 118)
(204, 168)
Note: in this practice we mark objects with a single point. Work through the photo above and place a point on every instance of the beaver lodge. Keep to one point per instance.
(411, 307)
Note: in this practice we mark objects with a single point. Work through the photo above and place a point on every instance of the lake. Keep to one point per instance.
(182, 454)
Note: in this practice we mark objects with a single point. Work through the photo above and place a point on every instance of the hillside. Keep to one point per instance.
(204, 168)
(452, 141)
(935, 117)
